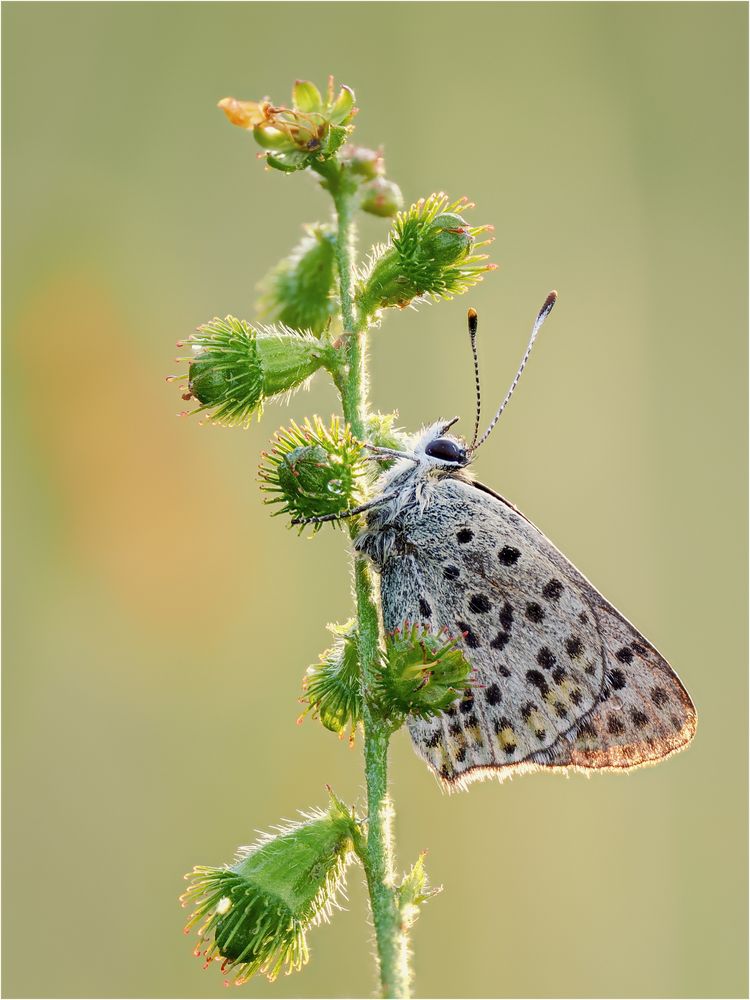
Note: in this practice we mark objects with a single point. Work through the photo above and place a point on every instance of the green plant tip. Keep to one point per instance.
(310, 131)
(253, 916)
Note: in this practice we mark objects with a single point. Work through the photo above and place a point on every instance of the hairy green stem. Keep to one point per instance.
(390, 933)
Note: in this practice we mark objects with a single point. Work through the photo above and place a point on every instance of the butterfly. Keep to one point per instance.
(560, 679)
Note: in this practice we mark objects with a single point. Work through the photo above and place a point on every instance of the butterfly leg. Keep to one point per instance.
(379, 452)
(352, 512)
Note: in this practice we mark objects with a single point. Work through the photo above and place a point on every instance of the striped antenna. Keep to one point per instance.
(473, 338)
(543, 314)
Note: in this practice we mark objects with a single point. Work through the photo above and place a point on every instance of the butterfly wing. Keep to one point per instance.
(561, 679)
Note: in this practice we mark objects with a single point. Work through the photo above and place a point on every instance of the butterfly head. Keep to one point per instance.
(439, 450)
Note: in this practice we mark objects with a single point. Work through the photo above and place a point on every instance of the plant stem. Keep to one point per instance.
(351, 380)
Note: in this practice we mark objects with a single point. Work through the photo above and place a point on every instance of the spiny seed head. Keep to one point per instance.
(299, 292)
(422, 672)
(253, 916)
(431, 251)
(333, 686)
(236, 367)
(313, 470)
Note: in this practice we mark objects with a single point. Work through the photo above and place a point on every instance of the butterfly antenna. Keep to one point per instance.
(543, 314)
(473, 338)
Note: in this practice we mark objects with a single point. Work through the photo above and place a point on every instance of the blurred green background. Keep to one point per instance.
(158, 623)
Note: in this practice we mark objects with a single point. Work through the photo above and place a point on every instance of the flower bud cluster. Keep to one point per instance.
(311, 131)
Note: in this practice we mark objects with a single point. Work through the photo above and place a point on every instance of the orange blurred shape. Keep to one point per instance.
(138, 505)
(246, 114)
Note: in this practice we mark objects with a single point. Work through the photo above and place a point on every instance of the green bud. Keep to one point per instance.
(299, 291)
(313, 470)
(253, 916)
(381, 197)
(236, 367)
(448, 239)
(363, 162)
(422, 673)
(333, 686)
(431, 250)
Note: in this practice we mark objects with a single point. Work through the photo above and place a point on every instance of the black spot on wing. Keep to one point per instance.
(506, 616)
(659, 697)
(539, 681)
(492, 694)
(573, 646)
(467, 702)
(616, 679)
(640, 719)
(508, 555)
(470, 637)
(615, 726)
(479, 604)
(546, 658)
(464, 535)
(552, 590)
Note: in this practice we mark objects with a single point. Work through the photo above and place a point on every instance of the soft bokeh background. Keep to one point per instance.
(157, 623)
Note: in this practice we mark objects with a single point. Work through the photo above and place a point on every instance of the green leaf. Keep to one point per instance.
(306, 96)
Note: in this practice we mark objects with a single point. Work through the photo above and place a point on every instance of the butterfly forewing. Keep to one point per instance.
(560, 677)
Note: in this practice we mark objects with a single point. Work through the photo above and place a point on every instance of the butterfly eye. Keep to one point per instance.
(446, 450)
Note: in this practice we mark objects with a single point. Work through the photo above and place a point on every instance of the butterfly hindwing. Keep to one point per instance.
(560, 677)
